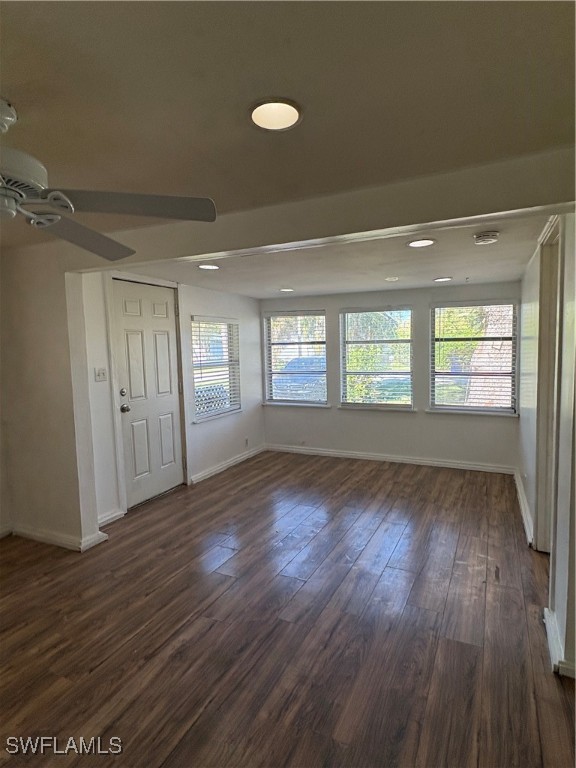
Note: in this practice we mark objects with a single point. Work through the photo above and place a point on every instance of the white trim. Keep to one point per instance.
(554, 640)
(111, 516)
(114, 383)
(225, 464)
(471, 412)
(551, 231)
(524, 507)
(567, 669)
(129, 277)
(90, 541)
(296, 404)
(376, 407)
(451, 464)
(60, 539)
(6, 531)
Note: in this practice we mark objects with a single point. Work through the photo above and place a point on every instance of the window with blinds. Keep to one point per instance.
(215, 367)
(376, 349)
(474, 358)
(295, 361)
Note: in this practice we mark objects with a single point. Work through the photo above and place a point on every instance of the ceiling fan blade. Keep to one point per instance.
(88, 239)
(159, 206)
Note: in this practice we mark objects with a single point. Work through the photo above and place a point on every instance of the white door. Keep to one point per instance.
(146, 362)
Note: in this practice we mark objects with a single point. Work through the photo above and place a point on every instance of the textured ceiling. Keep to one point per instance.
(155, 96)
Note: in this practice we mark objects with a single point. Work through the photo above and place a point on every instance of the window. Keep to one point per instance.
(377, 357)
(474, 357)
(216, 367)
(296, 357)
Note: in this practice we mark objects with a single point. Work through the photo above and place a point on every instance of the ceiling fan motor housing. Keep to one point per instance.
(22, 174)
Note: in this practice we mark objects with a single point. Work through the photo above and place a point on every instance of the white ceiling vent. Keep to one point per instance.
(486, 238)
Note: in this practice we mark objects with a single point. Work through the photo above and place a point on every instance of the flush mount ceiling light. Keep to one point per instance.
(424, 243)
(486, 238)
(276, 114)
(442, 279)
(286, 290)
(208, 266)
(391, 279)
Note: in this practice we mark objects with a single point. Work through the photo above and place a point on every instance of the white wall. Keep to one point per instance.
(39, 443)
(528, 395)
(219, 442)
(483, 441)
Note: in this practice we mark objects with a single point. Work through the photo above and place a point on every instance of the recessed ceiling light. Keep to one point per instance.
(442, 279)
(276, 114)
(391, 279)
(208, 266)
(286, 290)
(424, 243)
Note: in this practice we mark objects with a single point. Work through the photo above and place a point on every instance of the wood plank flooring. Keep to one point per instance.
(292, 611)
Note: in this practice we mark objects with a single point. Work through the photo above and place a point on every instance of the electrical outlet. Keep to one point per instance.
(100, 374)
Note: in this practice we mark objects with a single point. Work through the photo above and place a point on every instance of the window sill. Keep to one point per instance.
(376, 407)
(471, 412)
(292, 404)
(216, 416)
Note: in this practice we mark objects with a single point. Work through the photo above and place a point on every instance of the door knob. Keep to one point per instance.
(124, 408)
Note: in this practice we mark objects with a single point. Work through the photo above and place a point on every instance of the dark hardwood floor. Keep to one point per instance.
(292, 611)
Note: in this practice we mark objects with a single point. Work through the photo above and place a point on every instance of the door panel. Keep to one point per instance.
(162, 363)
(145, 352)
(135, 361)
(166, 422)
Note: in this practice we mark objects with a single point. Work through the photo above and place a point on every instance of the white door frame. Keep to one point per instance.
(548, 387)
(109, 277)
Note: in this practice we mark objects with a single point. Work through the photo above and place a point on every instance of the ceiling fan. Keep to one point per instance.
(24, 190)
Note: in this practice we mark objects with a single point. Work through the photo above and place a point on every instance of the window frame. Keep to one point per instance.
(267, 355)
(514, 338)
(343, 346)
(231, 365)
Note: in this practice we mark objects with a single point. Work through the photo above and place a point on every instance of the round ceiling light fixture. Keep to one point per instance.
(276, 114)
(286, 290)
(442, 279)
(486, 238)
(424, 243)
(208, 266)
(391, 279)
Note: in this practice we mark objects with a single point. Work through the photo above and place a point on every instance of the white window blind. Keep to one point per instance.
(474, 357)
(376, 349)
(296, 357)
(216, 367)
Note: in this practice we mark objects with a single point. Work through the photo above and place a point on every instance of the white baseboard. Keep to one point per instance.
(556, 646)
(59, 539)
(524, 507)
(226, 464)
(90, 541)
(110, 517)
(451, 464)
(567, 669)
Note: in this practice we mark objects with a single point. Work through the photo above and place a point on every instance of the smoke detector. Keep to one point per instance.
(486, 238)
